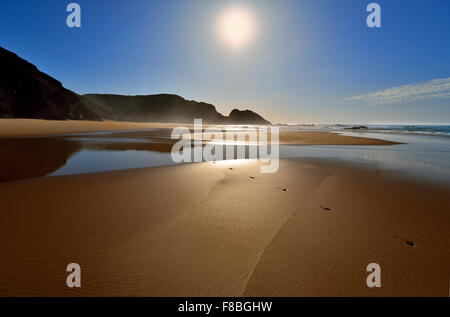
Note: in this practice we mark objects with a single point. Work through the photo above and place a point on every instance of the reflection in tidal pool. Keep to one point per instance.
(29, 158)
(88, 161)
(36, 157)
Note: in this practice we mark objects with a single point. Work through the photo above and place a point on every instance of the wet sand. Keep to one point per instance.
(224, 229)
(326, 138)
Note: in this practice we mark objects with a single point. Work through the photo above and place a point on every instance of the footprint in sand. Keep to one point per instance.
(408, 242)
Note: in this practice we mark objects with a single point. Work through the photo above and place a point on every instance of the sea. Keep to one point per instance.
(434, 130)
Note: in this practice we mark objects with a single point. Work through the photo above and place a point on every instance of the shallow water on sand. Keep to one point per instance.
(426, 157)
(421, 156)
(75, 154)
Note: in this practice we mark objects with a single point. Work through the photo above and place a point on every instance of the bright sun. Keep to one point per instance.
(236, 27)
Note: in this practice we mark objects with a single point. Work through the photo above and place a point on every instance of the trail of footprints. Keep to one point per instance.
(328, 209)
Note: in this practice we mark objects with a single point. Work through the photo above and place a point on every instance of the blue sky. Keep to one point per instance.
(311, 61)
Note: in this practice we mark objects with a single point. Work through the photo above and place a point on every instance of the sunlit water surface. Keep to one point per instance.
(421, 156)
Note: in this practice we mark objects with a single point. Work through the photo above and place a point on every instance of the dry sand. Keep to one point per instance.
(211, 230)
(17, 128)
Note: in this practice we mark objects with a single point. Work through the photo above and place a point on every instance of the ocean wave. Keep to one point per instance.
(433, 130)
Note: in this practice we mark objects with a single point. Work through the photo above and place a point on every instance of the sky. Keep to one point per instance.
(305, 61)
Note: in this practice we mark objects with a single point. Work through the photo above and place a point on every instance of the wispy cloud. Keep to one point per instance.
(436, 88)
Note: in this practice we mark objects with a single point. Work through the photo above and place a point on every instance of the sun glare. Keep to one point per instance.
(236, 27)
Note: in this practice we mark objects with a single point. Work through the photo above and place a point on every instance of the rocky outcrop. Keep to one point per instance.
(25, 92)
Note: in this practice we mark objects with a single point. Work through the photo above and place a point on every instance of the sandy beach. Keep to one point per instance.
(23, 128)
(215, 228)
(211, 229)
(19, 128)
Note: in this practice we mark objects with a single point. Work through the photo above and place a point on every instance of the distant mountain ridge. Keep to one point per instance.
(26, 92)
(163, 108)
